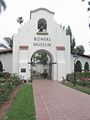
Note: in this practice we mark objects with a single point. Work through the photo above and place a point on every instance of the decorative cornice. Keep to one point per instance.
(60, 47)
(23, 47)
(32, 11)
(42, 33)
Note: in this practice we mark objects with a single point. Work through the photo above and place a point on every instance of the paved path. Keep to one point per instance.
(54, 101)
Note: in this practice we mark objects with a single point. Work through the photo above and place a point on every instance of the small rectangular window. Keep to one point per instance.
(23, 69)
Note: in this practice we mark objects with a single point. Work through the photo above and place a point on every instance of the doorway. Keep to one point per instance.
(41, 65)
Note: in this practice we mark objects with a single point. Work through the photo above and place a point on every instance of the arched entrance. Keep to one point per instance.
(41, 64)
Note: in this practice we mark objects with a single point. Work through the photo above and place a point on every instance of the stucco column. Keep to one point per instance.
(61, 70)
(54, 72)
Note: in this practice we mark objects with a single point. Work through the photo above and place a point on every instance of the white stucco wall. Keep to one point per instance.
(58, 37)
(82, 59)
(61, 67)
(6, 60)
(25, 44)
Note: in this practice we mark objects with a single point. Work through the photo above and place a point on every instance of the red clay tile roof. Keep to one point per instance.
(4, 51)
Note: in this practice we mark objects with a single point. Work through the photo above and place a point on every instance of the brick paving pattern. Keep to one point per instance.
(54, 101)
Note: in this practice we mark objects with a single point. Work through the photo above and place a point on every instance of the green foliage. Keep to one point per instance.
(8, 42)
(23, 106)
(7, 83)
(69, 32)
(73, 43)
(2, 5)
(79, 75)
(80, 49)
(84, 83)
(41, 57)
(5, 90)
(20, 20)
(1, 75)
(77, 87)
(72, 40)
(6, 75)
(3, 95)
(15, 80)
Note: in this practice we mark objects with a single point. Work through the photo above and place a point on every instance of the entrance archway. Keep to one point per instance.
(41, 64)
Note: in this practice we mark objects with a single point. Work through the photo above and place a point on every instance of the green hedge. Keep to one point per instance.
(5, 90)
(70, 77)
(84, 83)
(1, 74)
(7, 85)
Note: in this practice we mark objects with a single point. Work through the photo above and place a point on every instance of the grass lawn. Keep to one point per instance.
(23, 106)
(77, 87)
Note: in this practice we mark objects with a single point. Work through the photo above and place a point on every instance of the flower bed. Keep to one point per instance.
(84, 82)
(82, 79)
(7, 84)
(85, 79)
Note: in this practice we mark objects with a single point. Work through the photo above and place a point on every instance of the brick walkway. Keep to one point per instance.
(54, 101)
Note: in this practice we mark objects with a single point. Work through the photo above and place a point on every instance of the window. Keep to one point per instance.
(23, 69)
(86, 66)
(42, 25)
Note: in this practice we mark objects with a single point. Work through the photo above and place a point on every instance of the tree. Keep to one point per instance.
(80, 49)
(69, 32)
(72, 40)
(40, 57)
(43, 58)
(8, 42)
(73, 43)
(2, 5)
(20, 20)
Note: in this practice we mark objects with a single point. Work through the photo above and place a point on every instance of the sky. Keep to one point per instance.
(67, 12)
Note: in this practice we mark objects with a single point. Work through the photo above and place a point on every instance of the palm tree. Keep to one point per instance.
(2, 5)
(20, 20)
(8, 41)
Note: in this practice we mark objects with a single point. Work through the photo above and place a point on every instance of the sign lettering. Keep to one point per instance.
(42, 41)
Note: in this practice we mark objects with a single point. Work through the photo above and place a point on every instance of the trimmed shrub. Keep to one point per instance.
(1, 75)
(70, 77)
(7, 86)
(6, 75)
(84, 82)
(79, 78)
(3, 95)
(15, 80)
(5, 90)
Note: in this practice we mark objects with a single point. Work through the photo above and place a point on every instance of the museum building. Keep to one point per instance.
(41, 34)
